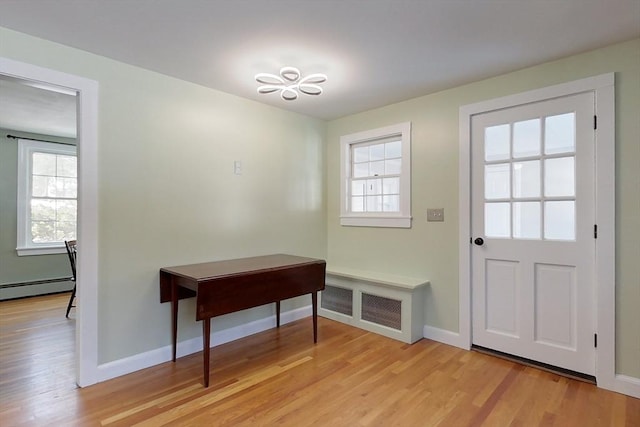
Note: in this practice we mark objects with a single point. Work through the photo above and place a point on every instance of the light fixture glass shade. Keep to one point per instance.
(290, 83)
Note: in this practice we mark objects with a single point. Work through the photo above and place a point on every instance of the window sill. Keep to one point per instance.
(370, 221)
(45, 250)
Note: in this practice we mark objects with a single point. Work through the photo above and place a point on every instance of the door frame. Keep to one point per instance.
(604, 93)
(87, 268)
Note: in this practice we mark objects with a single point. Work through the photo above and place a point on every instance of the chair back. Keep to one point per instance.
(71, 252)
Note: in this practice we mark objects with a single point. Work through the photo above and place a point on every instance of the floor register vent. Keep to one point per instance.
(383, 311)
(337, 299)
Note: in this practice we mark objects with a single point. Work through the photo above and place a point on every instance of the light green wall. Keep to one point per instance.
(15, 269)
(167, 194)
(430, 249)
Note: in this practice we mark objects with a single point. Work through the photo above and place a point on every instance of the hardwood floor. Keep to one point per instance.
(278, 377)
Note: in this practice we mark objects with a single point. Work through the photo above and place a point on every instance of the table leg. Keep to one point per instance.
(277, 314)
(174, 319)
(314, 303)
(206, 330)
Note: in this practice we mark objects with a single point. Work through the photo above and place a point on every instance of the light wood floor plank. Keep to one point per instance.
(279, 377)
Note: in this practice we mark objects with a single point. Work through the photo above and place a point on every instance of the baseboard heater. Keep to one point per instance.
(35, 282)
(388, 305)
(535, 364)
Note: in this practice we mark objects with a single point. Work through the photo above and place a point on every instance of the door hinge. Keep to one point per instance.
(595, 340)
(595, 122)
(595, 231)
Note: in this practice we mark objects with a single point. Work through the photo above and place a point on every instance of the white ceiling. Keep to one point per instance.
(29, 107)
(374, 52)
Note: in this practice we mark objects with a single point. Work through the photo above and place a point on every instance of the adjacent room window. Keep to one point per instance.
(376, 177)
(47, 196)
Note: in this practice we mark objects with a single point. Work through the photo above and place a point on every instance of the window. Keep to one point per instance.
(530, 179)
(376, 177)
(47, 196)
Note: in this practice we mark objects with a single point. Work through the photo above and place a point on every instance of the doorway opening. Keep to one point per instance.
(87, 218)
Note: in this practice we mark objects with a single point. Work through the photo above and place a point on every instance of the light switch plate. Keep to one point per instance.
(435, 214)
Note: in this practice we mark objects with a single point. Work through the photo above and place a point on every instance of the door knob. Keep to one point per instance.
(479, 241)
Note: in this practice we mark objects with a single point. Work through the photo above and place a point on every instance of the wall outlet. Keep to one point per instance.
(435, 214)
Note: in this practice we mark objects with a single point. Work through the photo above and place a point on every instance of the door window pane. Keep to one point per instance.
(497, 181)
(496, 142)
(559, 177)
(559, 134)
(497, 219)
(526, 179)
(560, 220)
(526, 220)
(526, 138)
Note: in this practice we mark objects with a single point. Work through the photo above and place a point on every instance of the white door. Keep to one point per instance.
(533, 231)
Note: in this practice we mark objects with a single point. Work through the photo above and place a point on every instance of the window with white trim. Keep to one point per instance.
(375, 188)
(47, 196)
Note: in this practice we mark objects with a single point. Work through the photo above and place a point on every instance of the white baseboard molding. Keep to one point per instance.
(623, 384)
(626, 385)
(444, 336)
(151, 358)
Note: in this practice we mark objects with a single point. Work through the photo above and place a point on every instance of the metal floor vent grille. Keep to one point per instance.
(337, 299)
(381, 310)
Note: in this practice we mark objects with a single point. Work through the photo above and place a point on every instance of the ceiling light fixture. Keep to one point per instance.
(290, 82)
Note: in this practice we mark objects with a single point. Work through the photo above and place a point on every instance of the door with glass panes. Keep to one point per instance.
(533, 231)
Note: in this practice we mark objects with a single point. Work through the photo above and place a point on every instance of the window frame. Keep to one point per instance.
(401, 219)
(26, 148)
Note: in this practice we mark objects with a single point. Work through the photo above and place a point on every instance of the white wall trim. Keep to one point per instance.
(151, 358)
(400, 219)
(87, 272)
(626, 385)
(444, 336)
(603, 88)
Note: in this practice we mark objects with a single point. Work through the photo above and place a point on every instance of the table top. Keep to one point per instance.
(219, 269)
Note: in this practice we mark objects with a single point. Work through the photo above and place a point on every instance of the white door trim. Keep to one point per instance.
(603, 88)
(87, 272)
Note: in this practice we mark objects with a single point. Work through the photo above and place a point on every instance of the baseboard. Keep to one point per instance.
(626, 385)
(446, 337)
(36, 288)
(151, 358)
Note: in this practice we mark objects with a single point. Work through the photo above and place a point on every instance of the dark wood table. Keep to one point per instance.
(224, 287)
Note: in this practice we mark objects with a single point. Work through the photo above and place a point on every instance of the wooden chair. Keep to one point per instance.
(71, 251)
